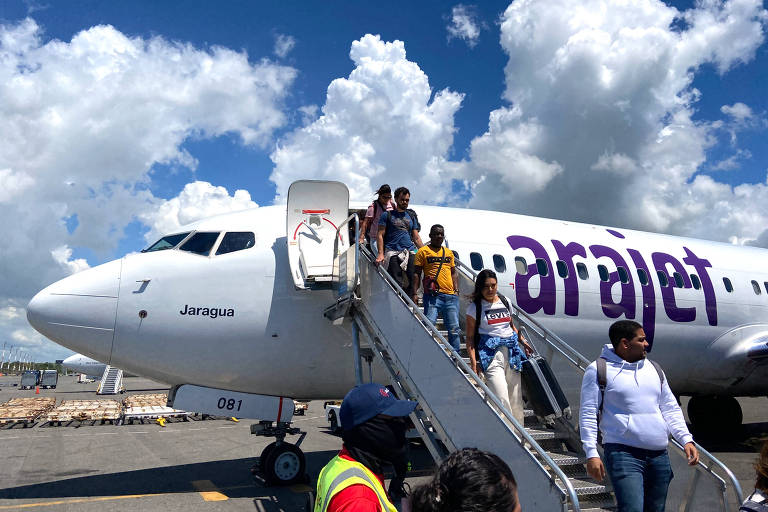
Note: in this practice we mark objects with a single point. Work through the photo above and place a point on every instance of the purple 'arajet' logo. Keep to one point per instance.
(626, 306)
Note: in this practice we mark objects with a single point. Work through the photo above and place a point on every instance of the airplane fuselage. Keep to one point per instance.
(236, 321)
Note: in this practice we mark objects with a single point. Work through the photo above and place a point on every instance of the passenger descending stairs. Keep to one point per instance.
(457, 410)
(111, 382)
(561, 443)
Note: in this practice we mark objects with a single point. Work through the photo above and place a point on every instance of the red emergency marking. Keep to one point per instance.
(295, 231)
(315, 211)
(334, 227)
(280, 409)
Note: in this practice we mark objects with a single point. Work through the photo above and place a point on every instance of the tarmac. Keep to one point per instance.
(205, 464)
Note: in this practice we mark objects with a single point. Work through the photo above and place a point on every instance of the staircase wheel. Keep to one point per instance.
(335, 427)
(285, 465)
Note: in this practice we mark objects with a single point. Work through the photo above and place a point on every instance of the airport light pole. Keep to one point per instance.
(2, 355)
(8, 362)
(10, 356)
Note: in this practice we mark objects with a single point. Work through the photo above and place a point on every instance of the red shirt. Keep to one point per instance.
(357, 497)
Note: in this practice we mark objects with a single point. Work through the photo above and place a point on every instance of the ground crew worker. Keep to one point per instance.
(374, 425)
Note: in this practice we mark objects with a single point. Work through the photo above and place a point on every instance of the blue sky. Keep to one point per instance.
(323, 34)
(655, 111)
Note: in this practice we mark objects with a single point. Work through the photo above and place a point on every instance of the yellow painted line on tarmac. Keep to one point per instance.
(81, 500)
(208, 491)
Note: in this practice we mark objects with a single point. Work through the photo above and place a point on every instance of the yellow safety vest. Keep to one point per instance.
(339, 474)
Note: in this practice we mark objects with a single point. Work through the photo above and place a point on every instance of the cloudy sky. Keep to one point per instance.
(123, 120)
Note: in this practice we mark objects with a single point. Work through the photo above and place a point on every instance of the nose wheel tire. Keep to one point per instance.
(265, 453)
(284, 464)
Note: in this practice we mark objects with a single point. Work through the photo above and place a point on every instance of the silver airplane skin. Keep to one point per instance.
(220, 307)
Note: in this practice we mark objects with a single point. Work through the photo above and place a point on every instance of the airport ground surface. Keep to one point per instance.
(203, 464)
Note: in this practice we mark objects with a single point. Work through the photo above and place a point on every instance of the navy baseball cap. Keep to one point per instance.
(364, 402)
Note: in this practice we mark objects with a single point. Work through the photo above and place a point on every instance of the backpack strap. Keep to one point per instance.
(602, 380)
(477, 319)
(505, 302)
(414, 219)
(506, 305)
(657, 366)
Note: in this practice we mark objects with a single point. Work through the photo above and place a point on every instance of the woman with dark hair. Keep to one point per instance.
(493, 343)
(370, 227)
(758, 500)
(469, 480)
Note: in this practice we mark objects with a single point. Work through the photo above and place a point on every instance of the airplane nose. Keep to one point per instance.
(79, 311)
(70, 360)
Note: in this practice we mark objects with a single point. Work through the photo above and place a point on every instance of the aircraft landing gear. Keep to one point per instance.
(280, 463)
(714, 413)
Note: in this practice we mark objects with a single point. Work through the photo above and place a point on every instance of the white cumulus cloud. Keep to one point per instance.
(197, 201)
(382, 124)
(600, 122)
(464, 24)
(85, 125)
(284, 44)
(63, 256)
(739, 111)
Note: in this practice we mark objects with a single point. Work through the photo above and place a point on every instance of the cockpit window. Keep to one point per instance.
(167, 242)
(236, 241)
(200, 243)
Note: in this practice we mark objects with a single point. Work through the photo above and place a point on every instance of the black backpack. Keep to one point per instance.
(415, 219)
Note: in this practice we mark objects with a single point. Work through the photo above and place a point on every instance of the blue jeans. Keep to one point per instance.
(448, 306)
(640, 477)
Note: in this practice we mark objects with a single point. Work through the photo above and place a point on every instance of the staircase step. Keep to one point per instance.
(540, 434)
(567, 459)
(587, 486)
(597, 502)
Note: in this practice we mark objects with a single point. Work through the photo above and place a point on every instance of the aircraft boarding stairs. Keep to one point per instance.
(111, 381)
(456, 409)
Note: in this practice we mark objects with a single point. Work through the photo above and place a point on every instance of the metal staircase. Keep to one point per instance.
(456, 409)
(111, 381)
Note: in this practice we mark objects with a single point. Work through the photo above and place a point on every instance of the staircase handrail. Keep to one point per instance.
(103, 379)
(489, 395)
(357, 243)
(706, 459)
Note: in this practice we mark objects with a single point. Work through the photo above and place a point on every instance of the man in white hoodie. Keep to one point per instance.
(638, 412)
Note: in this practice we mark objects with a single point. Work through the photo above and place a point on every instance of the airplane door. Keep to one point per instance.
(315, 210)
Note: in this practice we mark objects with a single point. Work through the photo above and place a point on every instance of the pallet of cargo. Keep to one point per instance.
(146, 400)
(85, 410)
(24, 411)
(153, 412)
(150, 406)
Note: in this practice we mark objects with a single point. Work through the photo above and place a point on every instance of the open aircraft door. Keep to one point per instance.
(315, 210)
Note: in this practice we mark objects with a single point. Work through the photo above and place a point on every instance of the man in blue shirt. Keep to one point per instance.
(398, 240)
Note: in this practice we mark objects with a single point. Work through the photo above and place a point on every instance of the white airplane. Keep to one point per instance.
(221, 304)
(83, 364)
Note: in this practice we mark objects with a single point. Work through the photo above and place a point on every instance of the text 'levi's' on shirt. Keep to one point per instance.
(494, 320)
